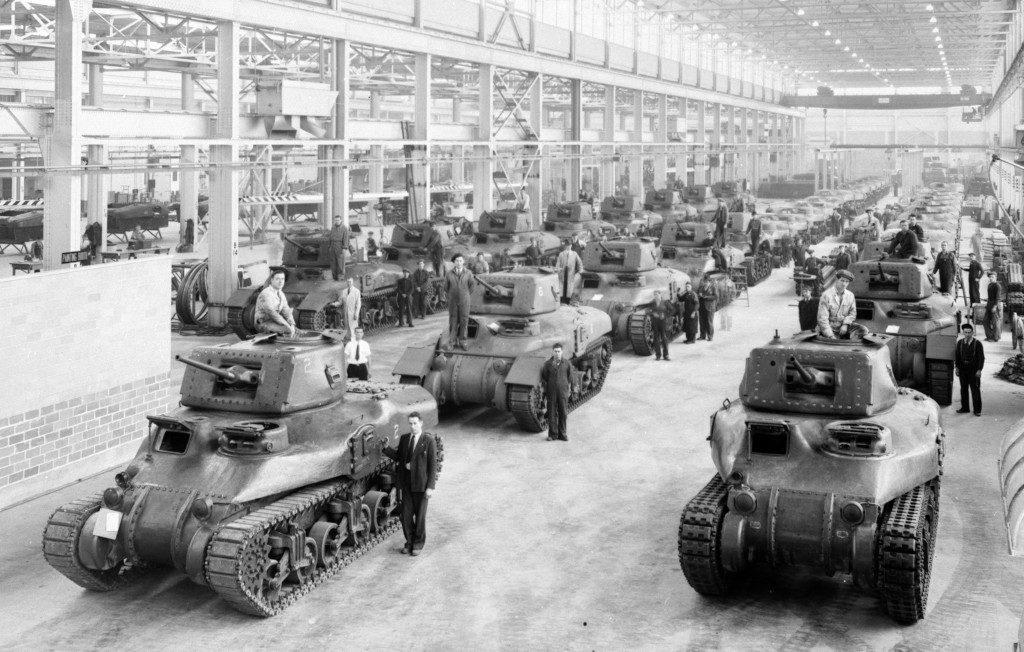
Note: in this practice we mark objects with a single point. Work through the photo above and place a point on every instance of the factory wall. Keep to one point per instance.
(86, 357)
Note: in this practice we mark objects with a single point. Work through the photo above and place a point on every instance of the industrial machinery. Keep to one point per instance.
(575, 218)
(515, 318)
(268, 479)
(512, 229)
(620, 278)
(896, 297)
(310, 288)
(686, 246)
(626, 212)
(822, 462)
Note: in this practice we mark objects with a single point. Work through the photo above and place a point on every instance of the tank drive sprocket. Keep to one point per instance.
(699, 542)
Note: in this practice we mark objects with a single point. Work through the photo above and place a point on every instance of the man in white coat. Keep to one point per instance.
(570, 267)
(837, 308)
(352, 300)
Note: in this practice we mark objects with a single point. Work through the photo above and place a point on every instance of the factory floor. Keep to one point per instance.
(549, 545)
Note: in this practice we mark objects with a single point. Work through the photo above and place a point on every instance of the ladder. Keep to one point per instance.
(738, 276)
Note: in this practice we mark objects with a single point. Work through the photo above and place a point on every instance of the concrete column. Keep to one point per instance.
(421, 127)
(636, 136)
(62, 145)
(661, 138)
(817, 170)
(223, 229)
(535, 181)
(95, 85)
(18, 182)
(339, 176)
(745, 167)
(700, 158)
(188, 93)
(97, 186)
(773, 142)
(575, 164)
(715, 173)
(188, 179)
(375, 174)
(682, 154)
(609, 177)
(483, 164)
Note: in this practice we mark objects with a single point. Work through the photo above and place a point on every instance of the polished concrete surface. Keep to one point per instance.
(537, 544)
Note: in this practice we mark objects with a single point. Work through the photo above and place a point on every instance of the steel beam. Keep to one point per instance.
(885, 102)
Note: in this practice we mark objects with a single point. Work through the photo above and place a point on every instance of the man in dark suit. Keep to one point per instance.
(969, 359)
(560, 382)
(405, 289)
(754, 231)
(533, 254)
(434, 245)
(993, 309)
(415, 459)
(916, 228)
(974, 273)
(662, 313)
(420, 282)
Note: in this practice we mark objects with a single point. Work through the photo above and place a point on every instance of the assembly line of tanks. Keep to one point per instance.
(270, 476)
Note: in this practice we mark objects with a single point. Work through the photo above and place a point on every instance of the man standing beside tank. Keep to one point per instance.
(754, 231)
(560, 382)
(837, 308)
(708, 297)
(458, 284)
(688, 304)
(968, 361)
(420, 281)
(993, 309)
(405, 290)
(569, 268)
(945, 267)
(337, 247)
(273, 314)
(352, 300)
(721, 220)
(415, 458)
(974, 273)
(662, 313)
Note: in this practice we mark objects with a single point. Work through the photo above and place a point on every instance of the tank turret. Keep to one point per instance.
(687, 234)
(620, 256)
(824, 462)
(889, 279)
(268, 478)
(504, 222)
(512, 230)
(575, 218)
(627, 212)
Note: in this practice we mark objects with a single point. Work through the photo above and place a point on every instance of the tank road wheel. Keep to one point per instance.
(380, 509)
(303, 569)
(361, 529)
(529, 406)
(326, 537)
(641, 334)
(940, 381)
(700, 540)
(905, 553)
(274, 573)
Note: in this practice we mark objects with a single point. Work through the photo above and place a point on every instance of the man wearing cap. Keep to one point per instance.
(904, 243)
(843, 259)
(337, 247)
(754, 231)
(405, 290)
(974, 273)
(837, 308)
(968, 361)
(945, 266)
(993, 310)
(273, 314)
(916, 228)
(812, 267)
(458, 283)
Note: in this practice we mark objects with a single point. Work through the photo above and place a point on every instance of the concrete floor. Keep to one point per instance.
(536, 544)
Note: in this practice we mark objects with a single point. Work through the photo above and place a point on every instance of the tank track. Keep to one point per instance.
(380, 311)
(906, 546)
(60, 548)
(641, 333)
(940, 381)
(523, 404)
(758, 268)
(699, 541)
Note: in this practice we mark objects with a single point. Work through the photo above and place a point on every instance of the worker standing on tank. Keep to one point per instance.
(534, 255)
(721, 220)
(688, 304)
(273, 314)
(812, 267)
(560, 382)
(754, 231)
(404, 290)
(420, 281)
(415, 458)
(843, 259)
(916, 228)
(708, 297)
(662, 313)
(435, 248)
(721, 264)
(945, 266)
(569, 269)
(480, 265)
(837, 308)
(458, 284)
(337, 247)
(968, 361)
(974, 273)
(352, 300)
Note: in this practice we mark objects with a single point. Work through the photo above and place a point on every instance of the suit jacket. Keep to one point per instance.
(405, 286)
(533, 255)
(338, 239)
(420, 278)
(842, 261)
(708, 296)
(969, 359)
(918, 231)
(422, 462)
(558, 378)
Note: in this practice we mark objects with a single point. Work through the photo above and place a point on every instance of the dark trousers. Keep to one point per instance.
(419, 299)
(690, 328)
(458, 320)
(973, 383)
(660, 338)
(707, 322)
(975, 291)
(945, 280)
(337, 265)
(358, 372)
(558, 412)
(414, 518)
(437, 258)
(405, 309)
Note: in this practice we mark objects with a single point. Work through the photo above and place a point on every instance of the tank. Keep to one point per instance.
(265, 481)
(512, 230)
(151, 216)
(734, 195)
(515, 318)
(686, 246)
(310, 288)
(702, 198)
(620, 278)
(896, 297)
(575, 218)
(407, 248)
(823, 462)
(670, 205)
(626, 213)
(757, 264)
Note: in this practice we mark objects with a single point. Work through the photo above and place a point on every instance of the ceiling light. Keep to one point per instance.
(929, 7)
(799, 12)
(694, 27)
(846, 49)
(839, 42)
(733, 44)
(935, 30)
(861, 60)
(886, 81)
(933, 19)
(940, 46)
(938, 39)
(715, 37)
(814, 23)
(828, 32)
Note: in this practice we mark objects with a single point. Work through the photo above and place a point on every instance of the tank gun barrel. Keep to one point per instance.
(407, 230)
(297, 244)
(495, 289)
(805, 375)
(606, 250)
(232, 375)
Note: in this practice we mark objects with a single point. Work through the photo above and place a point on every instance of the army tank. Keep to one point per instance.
(513, 230)
(670, 205)
(269, 478)
(408, 247)
(515, 318)
(757, 263)
(626, 213)
(620, 277)
(568, 219)
(701, 198)
(686, 246)
(310, 288)
(823, 462)
(896, 296)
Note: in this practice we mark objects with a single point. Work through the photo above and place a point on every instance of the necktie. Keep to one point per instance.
(357, 352)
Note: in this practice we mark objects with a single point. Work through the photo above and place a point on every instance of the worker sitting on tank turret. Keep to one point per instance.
(904, 243)
(837, 308)
(273, 314)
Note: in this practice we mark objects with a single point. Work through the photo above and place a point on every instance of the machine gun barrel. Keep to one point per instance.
(805, 375)
(232, 375)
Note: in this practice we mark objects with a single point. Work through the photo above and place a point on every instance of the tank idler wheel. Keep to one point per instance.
(326, 537)
(380, 509)
(275, 572)
(641, 333)
(303, 569)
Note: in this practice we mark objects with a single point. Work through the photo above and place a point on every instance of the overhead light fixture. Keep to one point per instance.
(860, 60)
(839, 41)
(799, 12)
(733, 44)
(938, 39)
(929, 7)
(846, 49)
(814, 23)
(933, 19)
(935, 30)
(694, 27)
(828, 32)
